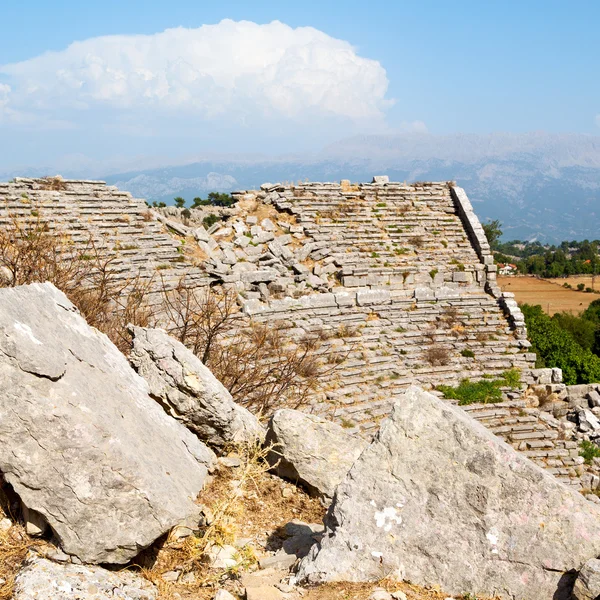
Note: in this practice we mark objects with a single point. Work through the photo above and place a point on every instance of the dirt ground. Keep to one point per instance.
(550, 293)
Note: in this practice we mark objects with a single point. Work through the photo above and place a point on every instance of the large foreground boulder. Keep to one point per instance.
(437, 499)
(189, 391)
(311, 451)
(41, 579)
(81, 441)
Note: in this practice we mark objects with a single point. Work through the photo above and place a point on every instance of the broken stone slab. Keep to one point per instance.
(438, 500)
(310, 450)
(588, 422)
(188, 390)
(200, 234)
(81, 441)
(43, 579)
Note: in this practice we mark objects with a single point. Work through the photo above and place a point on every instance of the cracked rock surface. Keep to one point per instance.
(189, 391)
(81, 441)
(437, 499)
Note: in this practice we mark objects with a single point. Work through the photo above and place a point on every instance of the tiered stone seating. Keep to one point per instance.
(393, 234)
(121, 227)
(538, 435)
(373, 350)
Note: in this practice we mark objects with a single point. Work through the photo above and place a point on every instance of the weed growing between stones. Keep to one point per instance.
(437, 356)
(485, 391)
(589, 451)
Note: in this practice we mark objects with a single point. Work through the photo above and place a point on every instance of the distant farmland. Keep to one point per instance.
(550, 293)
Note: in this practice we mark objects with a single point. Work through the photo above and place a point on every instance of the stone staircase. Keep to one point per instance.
(541, 437)
(377, 343)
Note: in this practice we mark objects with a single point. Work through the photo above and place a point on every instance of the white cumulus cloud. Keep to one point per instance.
(231, 70)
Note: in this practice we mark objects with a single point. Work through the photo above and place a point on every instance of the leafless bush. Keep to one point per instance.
(450, 316)
(30, 253)
(261, 365)
(263, 368)
(199, 317)
(437, 355)
(417, 241)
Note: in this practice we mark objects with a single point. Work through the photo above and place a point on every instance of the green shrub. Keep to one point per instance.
(512, 378)
(558, 347)
(486, 391)
(210, 220)
(468, 392)
(589, 451)
(468, 353)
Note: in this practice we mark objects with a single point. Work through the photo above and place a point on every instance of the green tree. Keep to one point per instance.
(493, 232)
(556, 347)
(179, 202)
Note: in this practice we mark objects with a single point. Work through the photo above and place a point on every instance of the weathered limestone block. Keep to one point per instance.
(81, 441)
(437, 499)
(42, 579)
(189, 391)
(315, 452)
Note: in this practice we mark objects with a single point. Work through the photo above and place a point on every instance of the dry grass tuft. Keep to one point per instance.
(246, 502)
(14, 546)
(437, 356)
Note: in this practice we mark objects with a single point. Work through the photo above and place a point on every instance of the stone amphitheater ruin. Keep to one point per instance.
(388, 270)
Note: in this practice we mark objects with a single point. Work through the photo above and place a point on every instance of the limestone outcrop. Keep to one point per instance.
(437, 499)
(189, 391)
(312, 451)
(81, 441)
(42, 579)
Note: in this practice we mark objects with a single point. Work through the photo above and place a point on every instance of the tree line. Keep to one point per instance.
(569, 342)
(545, 260)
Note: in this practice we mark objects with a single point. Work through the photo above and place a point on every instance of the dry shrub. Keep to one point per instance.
(450, 316)
(437, 356)
(264, 369)
(30, 253)
(261, 365)
(55, 184)
(200, 318)
(14, 546)
(417, 241)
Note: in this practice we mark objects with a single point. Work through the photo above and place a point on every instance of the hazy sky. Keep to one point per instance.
(128, 77)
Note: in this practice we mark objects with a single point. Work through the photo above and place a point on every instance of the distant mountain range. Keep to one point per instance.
(541, 186)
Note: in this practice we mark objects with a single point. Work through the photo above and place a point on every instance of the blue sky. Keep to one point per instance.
(435, 66)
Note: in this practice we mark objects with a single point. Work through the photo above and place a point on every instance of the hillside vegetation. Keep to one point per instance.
(569, 342)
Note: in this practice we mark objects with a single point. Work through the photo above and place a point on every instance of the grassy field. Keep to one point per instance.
(549, 293)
